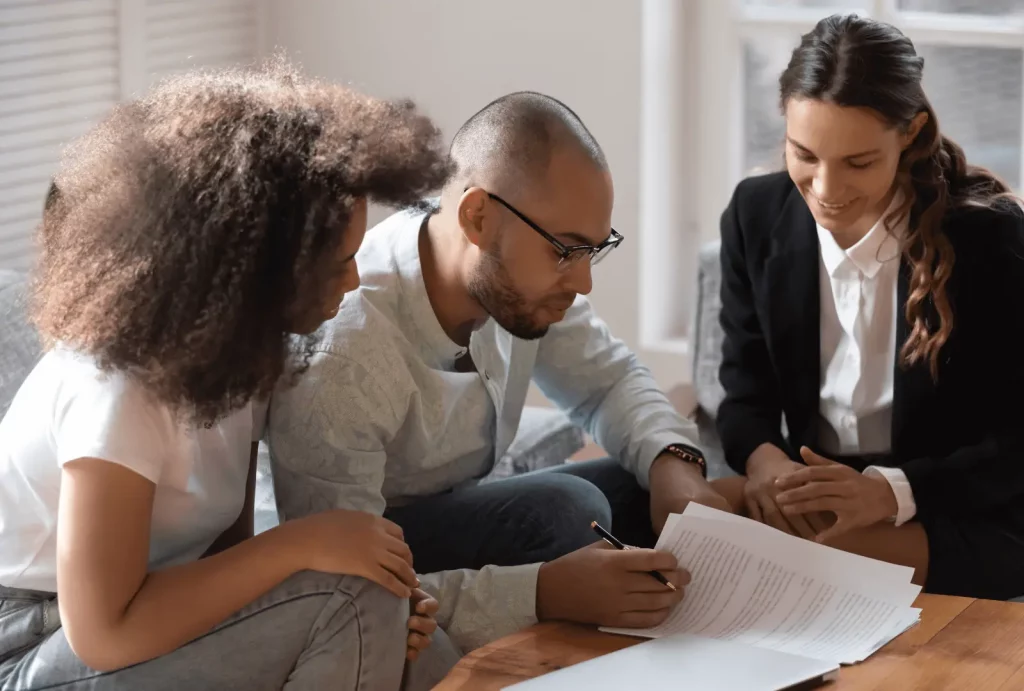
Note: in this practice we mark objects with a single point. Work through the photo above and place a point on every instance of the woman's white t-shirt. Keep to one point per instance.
(69, 409)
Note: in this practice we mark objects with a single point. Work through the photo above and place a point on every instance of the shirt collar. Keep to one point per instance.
(873, 251)
(436, 347)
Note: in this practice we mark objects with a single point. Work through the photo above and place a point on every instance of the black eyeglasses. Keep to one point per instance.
(569, 255)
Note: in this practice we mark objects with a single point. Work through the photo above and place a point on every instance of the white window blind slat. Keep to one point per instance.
(56, 81)
(201, 40)
(59, 45)
(58, 28)
(23, 13)
(10, 213)
(18, 222)
(61, 132)
(159, 11)
(20, 260)
(14, 163)
(175, 42)
(11, 69)
(185, 14)
(29, 104)
(39, 172)
(81, 115)
(27, 191)
(16, 242)
(214, 56)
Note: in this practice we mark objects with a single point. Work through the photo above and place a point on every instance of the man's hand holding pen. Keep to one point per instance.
(610, 587)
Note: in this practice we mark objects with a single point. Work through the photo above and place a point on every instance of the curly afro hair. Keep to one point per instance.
(184, 232)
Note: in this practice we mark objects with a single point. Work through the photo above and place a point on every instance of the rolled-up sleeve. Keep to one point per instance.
(605, 389)
(478, 607)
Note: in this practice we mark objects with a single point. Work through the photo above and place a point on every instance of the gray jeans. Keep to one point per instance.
(314, 631)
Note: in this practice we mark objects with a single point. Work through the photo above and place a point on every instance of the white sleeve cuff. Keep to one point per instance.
(906, 507)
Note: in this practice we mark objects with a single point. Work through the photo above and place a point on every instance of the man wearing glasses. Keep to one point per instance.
(418, 385)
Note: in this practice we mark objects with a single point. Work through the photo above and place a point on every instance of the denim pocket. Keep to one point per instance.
(22, 624)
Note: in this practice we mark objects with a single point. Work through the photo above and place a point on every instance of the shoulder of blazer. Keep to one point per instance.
(985, 233)
(758, 206)
(763, 195)
(758, 202)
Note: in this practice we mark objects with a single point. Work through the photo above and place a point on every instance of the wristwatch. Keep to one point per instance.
(688, 454)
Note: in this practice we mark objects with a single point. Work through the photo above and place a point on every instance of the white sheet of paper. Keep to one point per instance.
(868, 568)
(772, 590)
(912, 619)
(685, 662)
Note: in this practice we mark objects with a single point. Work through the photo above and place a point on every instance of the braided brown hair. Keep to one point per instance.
(855, 62)
(185, 232)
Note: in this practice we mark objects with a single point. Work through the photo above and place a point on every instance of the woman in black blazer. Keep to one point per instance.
(873, 298)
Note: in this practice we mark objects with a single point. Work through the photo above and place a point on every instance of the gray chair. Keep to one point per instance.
(706, 338)
(19, 344)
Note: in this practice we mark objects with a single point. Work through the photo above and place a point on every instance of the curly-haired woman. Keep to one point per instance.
(187, 237)
(872, 294)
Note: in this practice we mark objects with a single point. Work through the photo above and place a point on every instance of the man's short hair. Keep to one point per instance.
(510, 141)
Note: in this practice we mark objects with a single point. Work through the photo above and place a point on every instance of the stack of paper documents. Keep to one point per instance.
(756, 585)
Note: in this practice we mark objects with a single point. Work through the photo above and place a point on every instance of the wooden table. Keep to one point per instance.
(960, 644)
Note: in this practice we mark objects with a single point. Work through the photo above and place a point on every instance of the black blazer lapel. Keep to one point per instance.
(792, 282)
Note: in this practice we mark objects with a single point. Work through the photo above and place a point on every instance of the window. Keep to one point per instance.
(973, 70)
(727, 102)
(64, 64)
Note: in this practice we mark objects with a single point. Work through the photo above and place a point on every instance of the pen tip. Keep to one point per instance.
(671, 586)
(593, 524)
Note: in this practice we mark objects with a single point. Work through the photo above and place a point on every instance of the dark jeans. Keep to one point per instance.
(530, 518)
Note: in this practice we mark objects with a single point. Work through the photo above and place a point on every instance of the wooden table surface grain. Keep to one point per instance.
(959, 644)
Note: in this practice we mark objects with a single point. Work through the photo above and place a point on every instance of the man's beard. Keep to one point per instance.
(491, 286)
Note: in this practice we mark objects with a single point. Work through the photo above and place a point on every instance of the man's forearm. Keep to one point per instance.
(676, 483)
(671, 473)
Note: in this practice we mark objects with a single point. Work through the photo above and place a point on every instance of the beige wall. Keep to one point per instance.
(454, 56)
